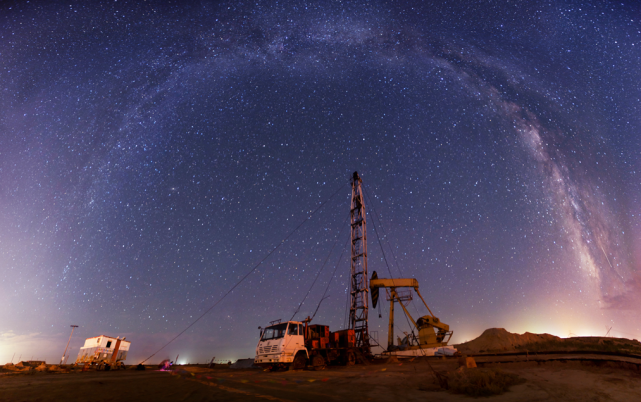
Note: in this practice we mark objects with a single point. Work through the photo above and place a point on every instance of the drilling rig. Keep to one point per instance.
(297, 344)
(358, 320)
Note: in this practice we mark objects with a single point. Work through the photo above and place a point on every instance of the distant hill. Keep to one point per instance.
(500, 340)
(495, 340)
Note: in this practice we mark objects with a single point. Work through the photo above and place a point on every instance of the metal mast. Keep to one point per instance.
(359, 287)
(64, 354)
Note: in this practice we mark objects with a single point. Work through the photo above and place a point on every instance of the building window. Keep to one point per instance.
(108, 344)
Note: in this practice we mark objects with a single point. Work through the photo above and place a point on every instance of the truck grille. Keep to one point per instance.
(267, 349)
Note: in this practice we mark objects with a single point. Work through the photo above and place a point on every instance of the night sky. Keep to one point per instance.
(152, 153)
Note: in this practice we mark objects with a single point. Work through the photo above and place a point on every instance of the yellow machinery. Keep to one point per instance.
(432, 333)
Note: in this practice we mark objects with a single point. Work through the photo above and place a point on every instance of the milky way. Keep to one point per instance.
(152, 154)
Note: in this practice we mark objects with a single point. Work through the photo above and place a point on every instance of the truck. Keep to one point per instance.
(295, 345)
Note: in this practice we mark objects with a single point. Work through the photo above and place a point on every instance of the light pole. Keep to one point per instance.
(63, 355)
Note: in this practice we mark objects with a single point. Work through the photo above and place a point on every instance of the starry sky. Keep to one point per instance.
(153, 152)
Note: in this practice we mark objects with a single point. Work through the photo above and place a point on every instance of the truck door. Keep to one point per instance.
(294, 338)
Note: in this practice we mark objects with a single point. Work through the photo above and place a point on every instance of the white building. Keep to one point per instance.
(103, 348)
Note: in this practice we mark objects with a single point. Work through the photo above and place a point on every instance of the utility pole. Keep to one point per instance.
(359, 288)
(64, 354)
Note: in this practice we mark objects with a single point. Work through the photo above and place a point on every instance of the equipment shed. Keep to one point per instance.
(103, 348)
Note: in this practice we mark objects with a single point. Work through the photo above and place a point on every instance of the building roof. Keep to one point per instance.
(110, 337)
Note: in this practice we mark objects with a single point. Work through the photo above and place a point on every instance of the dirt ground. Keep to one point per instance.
(407, 381)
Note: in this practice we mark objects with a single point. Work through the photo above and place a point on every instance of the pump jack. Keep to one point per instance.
(433, 335)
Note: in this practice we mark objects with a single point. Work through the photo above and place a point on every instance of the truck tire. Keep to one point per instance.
(300, 360)
(350, 358)
(318, 362)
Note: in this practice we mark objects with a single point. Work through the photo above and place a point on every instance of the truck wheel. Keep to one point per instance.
(350, 358)
(300, 360)
(318, 362)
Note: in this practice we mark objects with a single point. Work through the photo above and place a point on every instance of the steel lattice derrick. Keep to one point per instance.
(359, 277)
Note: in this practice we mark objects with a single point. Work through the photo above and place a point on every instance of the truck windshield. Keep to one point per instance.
(274, 332)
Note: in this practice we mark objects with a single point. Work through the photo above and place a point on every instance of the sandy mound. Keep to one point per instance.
(17, 367)
(42, 367)
(500, 340)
